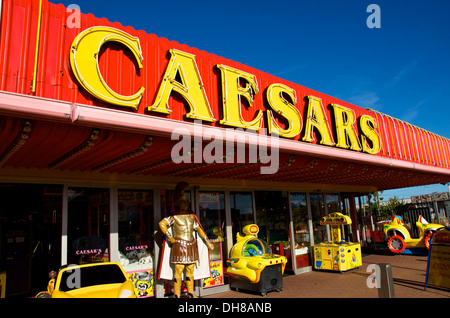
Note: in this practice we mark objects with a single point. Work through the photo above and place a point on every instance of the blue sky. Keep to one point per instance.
(401, 69)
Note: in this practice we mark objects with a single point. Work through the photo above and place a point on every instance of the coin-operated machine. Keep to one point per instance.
(252, 266)
(337, 255)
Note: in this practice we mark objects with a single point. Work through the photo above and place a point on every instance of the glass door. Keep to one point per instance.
(272, 218)
(318, 211)
(301, 224)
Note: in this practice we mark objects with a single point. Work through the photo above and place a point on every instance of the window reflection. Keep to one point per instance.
(241, 211)
(318, 211)
(212, 219)
(333, 203)
(273, 220)
(135, 230)
(300, 221)
(168, 204)
(88, 230)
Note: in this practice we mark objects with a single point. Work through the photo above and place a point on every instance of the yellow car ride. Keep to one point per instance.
(94, 280)
(399, 237)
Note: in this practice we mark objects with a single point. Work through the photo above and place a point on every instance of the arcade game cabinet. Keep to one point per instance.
(252, 266)
(337, 255)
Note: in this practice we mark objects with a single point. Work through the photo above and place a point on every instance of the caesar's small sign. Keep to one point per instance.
(438, 266)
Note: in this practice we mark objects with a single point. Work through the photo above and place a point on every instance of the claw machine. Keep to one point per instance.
(337, 255)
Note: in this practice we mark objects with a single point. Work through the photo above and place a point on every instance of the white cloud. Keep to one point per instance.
(366, 99)
(411, 114)
(404, 71)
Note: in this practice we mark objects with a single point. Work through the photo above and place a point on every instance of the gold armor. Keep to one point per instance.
(184, 245)
(183, 226)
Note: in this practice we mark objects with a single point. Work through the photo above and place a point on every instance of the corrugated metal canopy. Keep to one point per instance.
(58, 146)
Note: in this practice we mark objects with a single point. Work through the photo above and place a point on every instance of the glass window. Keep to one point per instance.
(241, 211)
(212, 219)
(318, 211)
(168, 204)
(272, 217)
(88, 225)
(135, 229)
(273, 220)
(135, 218)
(333, 203)
(300, 221)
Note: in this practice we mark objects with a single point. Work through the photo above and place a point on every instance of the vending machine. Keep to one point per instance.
(337, 255)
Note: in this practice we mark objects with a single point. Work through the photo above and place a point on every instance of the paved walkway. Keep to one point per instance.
(408, 272)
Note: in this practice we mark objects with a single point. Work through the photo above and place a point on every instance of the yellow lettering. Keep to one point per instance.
(368, 126)
(238, 90)
(235, 85)
(317, 118)
(189, 85)
(345, 119)
(277, 101)
(84, 56)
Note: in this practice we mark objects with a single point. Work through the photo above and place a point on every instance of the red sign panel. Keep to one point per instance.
(41, 55)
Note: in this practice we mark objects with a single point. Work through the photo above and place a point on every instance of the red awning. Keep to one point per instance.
(65, 146)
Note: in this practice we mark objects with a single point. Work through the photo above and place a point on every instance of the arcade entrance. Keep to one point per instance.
(273, 219)
(30, 235)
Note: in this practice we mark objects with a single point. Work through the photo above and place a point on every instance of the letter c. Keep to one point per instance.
(84, 55)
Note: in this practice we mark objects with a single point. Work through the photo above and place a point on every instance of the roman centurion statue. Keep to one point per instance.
(186, 252)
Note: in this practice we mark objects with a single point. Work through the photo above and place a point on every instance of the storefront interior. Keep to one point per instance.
(100, 194)
(44, 226)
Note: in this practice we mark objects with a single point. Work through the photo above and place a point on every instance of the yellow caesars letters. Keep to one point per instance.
(83, 58)
(232, 91)
(285, 109)
(345, 119)
(182, 76)
(368, 126)
(190, 88)
(316, 118)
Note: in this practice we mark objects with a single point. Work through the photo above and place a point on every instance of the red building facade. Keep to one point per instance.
(98, 122)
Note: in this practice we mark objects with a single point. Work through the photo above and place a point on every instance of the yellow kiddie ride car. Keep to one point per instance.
(252, 266)
(399, 236)
(96, 280)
